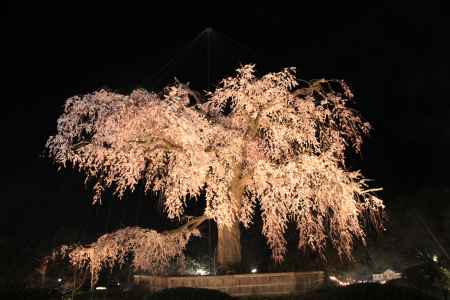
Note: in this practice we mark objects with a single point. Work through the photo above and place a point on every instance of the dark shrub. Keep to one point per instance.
(29, 294)
(370, 291)
(189, 294)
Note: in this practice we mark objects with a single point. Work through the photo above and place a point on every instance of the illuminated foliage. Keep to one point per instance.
(267, 141)
(151, 251)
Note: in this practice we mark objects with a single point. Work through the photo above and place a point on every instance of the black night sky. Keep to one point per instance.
(393, 54)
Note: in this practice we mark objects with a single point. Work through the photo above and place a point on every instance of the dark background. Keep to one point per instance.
(393, 54)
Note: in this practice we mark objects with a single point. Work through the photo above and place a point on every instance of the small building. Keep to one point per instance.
(386, 276)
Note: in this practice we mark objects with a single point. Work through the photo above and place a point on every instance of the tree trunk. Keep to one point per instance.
(228, 248)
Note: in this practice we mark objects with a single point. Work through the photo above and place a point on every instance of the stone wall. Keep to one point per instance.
(241, 284)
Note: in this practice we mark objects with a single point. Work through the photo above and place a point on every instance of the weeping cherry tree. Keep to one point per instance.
(271, 141)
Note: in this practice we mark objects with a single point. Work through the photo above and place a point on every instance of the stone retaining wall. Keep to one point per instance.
(241, 284)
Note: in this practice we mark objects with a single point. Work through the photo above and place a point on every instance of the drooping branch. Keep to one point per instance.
(149, 250)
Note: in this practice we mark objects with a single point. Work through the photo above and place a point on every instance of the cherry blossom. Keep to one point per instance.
(272, 141)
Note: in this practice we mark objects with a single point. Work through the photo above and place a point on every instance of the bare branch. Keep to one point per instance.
(192, 224)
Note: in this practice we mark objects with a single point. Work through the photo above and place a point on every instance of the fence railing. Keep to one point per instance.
(240, 284)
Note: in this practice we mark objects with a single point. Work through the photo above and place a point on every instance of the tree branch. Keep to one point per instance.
(192, 224)
(315, 86)
(371, 190)
(166, 144)
(196, 95)
(80, 145)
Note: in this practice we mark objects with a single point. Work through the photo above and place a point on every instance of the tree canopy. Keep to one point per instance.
(272, 141)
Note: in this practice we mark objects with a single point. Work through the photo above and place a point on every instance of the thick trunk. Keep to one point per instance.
(228, 248)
